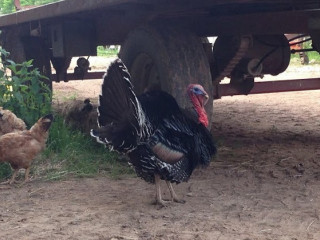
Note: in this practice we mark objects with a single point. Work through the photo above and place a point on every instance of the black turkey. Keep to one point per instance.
(161, 141)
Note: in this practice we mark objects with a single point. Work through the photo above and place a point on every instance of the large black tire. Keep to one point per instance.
(168, 59)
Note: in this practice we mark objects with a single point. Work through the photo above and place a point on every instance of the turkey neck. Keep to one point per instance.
(198, 105)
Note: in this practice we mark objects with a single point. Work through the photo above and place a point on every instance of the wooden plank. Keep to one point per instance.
(56, 9)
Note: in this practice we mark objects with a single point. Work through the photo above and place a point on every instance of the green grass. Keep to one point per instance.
(106, 52)
(5, 170)
(70, 153)
(314, 55)
(314, 58)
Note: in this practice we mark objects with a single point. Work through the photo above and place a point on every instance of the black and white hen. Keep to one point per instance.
(160, 140)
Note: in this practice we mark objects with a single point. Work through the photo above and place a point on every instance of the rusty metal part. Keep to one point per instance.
(83, 63)
(264, 54)
(89, 76)
(244, 58)
(243, 84)
(222, 90)
(273, 52)
(270, 87)
(82, 68)
(244, 43)
(17, 5)
(61, 65)
(227, 53)
(303, 50)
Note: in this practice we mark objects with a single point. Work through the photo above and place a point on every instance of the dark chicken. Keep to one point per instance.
(160, 140)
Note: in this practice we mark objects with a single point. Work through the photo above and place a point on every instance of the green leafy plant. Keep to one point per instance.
(7, 6)
(23, 91)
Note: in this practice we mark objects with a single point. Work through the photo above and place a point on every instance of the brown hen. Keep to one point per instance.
(20, 148)
(9, 122)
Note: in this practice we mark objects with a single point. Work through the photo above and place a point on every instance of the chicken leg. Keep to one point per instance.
(14, 175)
(26, 176)
(12, 179)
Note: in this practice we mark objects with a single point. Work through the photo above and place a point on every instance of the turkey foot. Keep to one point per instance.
(174, 196)
(159, 201)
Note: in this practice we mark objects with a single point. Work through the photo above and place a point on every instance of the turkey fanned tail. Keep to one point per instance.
(122, 122)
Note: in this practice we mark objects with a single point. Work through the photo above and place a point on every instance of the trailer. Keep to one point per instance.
(164, 42)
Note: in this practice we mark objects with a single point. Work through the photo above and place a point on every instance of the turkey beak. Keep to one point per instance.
(206, 98)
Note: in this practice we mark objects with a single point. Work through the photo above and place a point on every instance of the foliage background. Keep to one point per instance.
(7, 6)
(23, 91)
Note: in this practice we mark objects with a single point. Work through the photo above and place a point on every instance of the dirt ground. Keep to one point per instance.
(264, 183)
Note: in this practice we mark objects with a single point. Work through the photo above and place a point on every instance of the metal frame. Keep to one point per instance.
(222, 90)
(271, 87)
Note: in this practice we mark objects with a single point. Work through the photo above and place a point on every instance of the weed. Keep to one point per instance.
(23, 92)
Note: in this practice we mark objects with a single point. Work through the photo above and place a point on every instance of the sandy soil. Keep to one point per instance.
(263, 185)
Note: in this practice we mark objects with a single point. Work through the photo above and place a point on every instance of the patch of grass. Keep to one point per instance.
(72, 96)
(107, 52)
(72, 153)
(314, 57)
(5, 170)
(79, 154)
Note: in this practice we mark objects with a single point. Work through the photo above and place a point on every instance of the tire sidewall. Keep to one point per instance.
(178, 56)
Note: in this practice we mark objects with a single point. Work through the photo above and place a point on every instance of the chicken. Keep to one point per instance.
(20, 148)
(9, 122)
(162, 143)
(80, 114)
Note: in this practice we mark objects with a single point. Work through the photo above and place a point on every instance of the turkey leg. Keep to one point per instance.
(159, 199)
(174, 196)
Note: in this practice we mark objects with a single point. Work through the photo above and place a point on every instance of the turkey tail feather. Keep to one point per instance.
(121, 119)
(116, 94)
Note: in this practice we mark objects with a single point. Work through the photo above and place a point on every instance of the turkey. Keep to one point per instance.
(161, 141)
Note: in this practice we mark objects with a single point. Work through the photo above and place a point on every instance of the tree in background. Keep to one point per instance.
(7, 6)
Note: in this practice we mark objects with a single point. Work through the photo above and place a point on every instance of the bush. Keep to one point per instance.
(23, 92)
